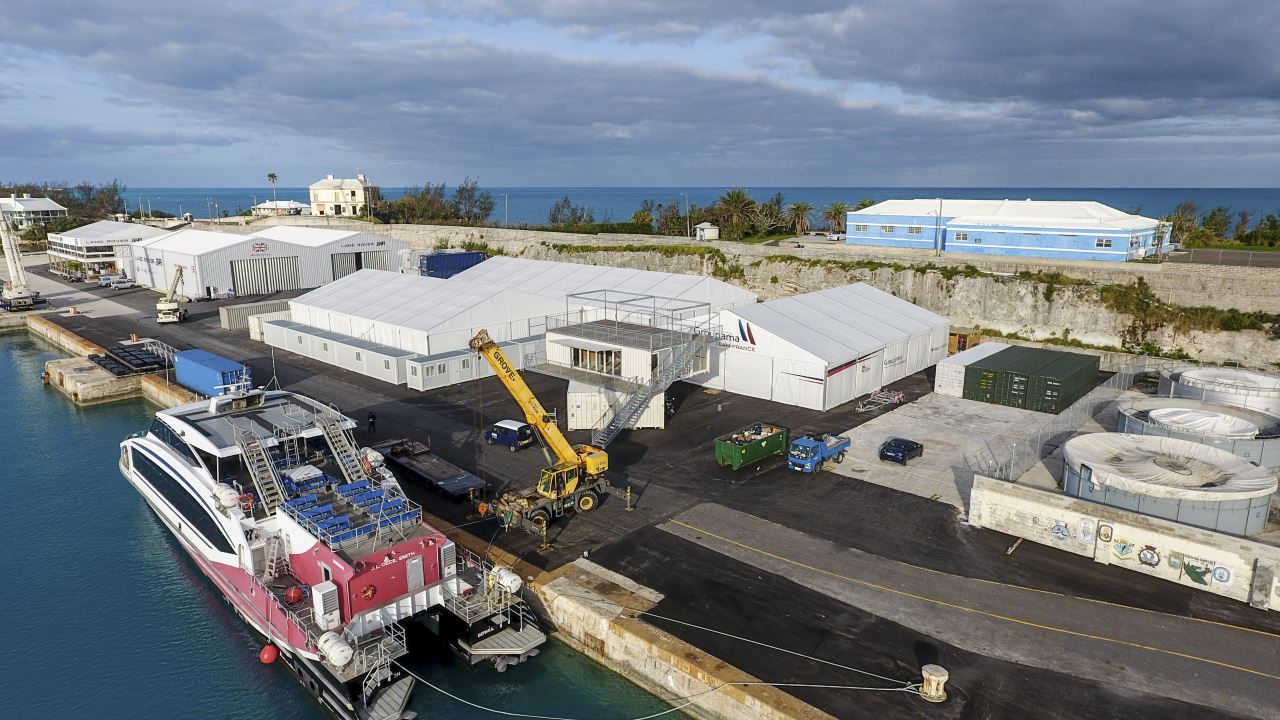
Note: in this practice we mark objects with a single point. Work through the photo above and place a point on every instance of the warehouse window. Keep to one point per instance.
(886, 229)
(962, 237)
(1102, 242)
(859, 228)
(914, 230)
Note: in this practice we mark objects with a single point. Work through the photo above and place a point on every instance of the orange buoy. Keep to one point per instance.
(293, 595)
(268, 655)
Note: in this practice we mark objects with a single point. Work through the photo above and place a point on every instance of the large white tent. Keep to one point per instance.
(825, 348)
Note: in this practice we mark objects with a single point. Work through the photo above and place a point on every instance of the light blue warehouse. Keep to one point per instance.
(1066, 229)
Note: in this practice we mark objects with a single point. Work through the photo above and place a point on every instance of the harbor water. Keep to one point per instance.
(108, 618)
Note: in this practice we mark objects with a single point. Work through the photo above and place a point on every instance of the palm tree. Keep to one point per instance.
(835, 215)
(798, 216)
(735, 211)
(272, 178)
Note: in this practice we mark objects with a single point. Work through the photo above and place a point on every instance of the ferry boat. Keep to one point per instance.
(313, 543)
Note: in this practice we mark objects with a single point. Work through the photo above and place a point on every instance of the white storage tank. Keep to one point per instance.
(1228, 386)
(1250, 434)
(1169, 478)
(949, 377)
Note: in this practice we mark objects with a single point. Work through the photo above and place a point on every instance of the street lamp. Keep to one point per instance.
(504, 210)
(688, 229)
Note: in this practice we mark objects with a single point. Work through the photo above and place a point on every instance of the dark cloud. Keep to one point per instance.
(23, 140)
(998, 92)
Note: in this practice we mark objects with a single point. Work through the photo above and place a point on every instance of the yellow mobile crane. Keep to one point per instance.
(574, 482)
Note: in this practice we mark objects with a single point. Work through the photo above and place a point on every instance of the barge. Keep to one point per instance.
(312, 543)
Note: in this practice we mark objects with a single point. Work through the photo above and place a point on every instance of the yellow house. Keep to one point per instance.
(343, 196)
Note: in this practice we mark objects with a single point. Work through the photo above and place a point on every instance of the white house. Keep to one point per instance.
(281, 207)
(706, 231)
(25, 211)
(343, 196)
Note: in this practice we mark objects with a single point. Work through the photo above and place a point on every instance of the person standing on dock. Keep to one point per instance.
(372, 418)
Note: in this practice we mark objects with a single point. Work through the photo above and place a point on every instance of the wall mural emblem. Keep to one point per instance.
(1084, 530)
(1104, 533)
(1149, 556)
(1060, 531)
(1122, 549)
(1222, 575)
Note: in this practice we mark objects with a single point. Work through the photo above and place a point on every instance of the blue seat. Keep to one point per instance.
(397, 519)
(372, 494)
(317, 511)
(335, 522)
(302, 502)
(354, 488)
(389, 506)
(370, 499)
(314, 484)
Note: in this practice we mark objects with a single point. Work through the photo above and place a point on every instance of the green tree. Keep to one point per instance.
(734, 208)
(798, 216)
(272, 178)
(835, 215)
(565, 214)
(864, 204)
(1242, 225)
(470, 204)
(1216, 222)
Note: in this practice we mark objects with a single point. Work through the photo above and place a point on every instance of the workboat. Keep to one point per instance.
(312, 541)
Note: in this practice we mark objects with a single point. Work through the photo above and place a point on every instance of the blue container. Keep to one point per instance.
(206, 373)
(448, 264)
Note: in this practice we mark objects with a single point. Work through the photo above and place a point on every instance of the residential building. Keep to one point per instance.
(706, 231)
(90, 250)
(282, 207)
(23, 212)
(344, 196)
(1064, 229)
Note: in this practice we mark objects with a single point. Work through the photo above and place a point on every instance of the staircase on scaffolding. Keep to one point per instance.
(343, 447)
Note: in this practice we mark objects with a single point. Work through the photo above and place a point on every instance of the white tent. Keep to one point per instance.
(825, 348)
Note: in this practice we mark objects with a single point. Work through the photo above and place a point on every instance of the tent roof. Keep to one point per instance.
(195, 242)
(842, 323)
(554, 279)
(112, 230)
(305, 236)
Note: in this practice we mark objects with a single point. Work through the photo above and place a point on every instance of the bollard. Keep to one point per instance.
(628, 498)
(935, 679)
(71, 310)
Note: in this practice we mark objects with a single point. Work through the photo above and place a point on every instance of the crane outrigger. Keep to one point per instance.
(574, 482)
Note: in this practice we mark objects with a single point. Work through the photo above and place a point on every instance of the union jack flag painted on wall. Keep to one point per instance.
(259, 247)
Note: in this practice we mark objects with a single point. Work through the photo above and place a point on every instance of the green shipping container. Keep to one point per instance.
(1014, 382)
(980, 377)
(750, 444)
(1063, 382)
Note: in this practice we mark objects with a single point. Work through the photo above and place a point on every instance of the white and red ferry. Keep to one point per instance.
(312, 542)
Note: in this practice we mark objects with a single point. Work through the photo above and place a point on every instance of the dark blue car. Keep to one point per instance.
(900, 450)
(512, 433)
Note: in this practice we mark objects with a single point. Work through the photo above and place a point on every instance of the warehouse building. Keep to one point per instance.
(90, 250)
(277, 259)
(1065, 229)
(823, 349)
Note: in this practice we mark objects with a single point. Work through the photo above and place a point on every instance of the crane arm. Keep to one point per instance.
(534, 413)
(173, 284)
(13, 260)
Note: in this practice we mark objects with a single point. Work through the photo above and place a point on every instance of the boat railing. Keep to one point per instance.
(472, 594)
(365, 527)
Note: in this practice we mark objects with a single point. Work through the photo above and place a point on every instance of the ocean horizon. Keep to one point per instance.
(530, 205)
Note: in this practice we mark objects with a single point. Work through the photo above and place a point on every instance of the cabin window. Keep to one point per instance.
(413, 370)
(860, 228)
(324, 572)
(886, 229)
(386, 364)
(190, 510)
(324, 346)
(442, 368)
(299, 339)
(466, 363)
(914, 230)
(962, 237)
(359, 357)
(1102, 242)
(428, 371)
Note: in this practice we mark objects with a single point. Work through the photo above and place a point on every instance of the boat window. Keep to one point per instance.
(193, 513)
(166, 435)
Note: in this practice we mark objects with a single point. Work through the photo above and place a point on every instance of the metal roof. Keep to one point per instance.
(842, 323)
(306, 236)
(28, 204)
(554, 279)
(1082, 214)
(106, 231)
(195, 242)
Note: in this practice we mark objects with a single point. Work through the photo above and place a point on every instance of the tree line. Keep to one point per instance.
(1222, 226)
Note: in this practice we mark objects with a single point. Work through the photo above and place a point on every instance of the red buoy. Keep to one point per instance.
(293, 595)
(268, 655)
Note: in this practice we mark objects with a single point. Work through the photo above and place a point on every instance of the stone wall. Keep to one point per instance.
(1225, 565)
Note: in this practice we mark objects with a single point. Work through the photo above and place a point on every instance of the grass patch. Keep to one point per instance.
(946, 271)
(473, 246)
(1149, 312)
(664, 250)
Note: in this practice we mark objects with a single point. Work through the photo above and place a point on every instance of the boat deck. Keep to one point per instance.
(275, 415)
(358, 518)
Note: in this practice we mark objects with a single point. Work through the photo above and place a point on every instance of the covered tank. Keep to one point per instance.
(1252, 435)
(1169, 478)
(1228, 386)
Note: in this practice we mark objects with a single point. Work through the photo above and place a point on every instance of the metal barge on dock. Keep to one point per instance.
(311, 541)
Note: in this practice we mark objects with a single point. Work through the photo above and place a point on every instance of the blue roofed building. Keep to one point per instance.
(1064, 229)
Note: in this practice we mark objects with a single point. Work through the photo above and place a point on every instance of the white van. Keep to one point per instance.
(106, 280)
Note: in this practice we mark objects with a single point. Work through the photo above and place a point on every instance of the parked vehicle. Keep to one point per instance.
(809, 453)
(900, 450)
(750, 445)
(512, 433)
(109, 280)
(123, 284)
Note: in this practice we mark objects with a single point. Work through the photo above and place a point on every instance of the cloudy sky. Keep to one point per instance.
(643, 92)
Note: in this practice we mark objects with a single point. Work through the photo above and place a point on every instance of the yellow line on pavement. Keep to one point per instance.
(975, 611)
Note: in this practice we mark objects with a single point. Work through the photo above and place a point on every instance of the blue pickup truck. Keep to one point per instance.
(809, 453)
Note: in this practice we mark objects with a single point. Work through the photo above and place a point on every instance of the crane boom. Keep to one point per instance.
(592, 460)
(173, 284)
(17, 274)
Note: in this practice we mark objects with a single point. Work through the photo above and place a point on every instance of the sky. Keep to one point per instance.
(1091, 93)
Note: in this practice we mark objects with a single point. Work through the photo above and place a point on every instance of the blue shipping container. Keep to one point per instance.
(448, 264)
(206, 373)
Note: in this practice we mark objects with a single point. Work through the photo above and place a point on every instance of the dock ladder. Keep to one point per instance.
(343, 447)
(261, 469)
